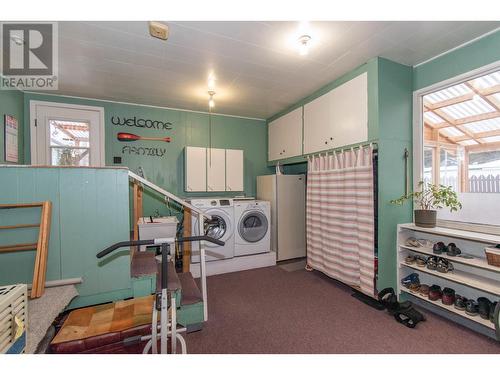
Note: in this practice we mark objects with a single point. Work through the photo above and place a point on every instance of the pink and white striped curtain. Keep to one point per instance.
(340, 217)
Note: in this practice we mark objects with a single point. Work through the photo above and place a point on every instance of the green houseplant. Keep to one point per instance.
(428, 199)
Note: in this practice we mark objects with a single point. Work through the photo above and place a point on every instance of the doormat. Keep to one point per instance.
(293, 265)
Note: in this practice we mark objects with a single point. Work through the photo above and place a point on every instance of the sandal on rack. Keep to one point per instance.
(412, 242)
(432, 263)
(410, 259)
(424, 290)
(444, 266)
(421, 262)
(410, 279)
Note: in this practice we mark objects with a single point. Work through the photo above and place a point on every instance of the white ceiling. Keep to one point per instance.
(259, 72)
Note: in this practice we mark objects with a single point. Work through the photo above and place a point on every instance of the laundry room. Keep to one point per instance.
(268, 185)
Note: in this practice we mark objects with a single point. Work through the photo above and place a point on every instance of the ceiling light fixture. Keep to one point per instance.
(211, 90)
(303, 44)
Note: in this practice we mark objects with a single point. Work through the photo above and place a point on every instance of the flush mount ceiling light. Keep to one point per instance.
(304, 44)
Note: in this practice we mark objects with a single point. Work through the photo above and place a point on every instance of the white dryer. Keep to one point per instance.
(253, 222)
(221, 227)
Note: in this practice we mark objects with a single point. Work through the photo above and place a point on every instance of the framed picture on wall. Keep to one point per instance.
(11, 135)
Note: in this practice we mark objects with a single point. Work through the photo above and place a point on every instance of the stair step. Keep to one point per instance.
(190, 293)
(143, 264)
(173, 282)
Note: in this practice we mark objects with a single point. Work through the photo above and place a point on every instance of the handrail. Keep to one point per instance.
(167, 194)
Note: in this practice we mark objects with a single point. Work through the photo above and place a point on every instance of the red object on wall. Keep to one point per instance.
(129, 137)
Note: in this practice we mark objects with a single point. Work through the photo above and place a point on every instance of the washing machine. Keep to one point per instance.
(221, 227)
(252, 234)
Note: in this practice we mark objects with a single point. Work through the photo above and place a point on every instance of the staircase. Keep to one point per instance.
(189, 300)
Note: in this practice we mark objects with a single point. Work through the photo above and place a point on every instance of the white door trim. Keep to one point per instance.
(33, 128)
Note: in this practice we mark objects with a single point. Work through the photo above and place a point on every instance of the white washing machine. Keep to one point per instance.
(221, 227)
(252, 234)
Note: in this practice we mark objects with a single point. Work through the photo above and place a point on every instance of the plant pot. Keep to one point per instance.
(425, 218)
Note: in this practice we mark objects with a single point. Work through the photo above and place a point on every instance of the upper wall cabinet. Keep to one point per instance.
(337, 118)
(215, 169)
(195, 169)
(285, 136)
(234, 170)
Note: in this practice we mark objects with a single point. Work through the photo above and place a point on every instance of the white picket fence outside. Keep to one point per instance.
(484, 184)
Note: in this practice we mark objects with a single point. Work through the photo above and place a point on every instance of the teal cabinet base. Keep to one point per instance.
(190, 314)
(97, 299)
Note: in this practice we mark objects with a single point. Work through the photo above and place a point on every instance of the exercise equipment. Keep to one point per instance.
(164, 301)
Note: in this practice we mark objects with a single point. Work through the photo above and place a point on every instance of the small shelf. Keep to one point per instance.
(476, 262)
(452, 309)
(455, 233)
(474, 281)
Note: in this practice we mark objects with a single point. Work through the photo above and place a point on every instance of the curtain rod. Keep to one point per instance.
(340, 150)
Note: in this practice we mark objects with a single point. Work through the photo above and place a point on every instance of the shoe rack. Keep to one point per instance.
(471, 278)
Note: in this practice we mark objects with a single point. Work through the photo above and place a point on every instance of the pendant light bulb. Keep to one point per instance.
(211, 103)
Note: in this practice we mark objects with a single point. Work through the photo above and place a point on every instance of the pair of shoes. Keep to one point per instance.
(435, 292)
(448, 297)
(412, 242)
(444, 266)
(492, 311)
(460, 302)
(421, 262)
(452, 250)
(404, 312)
(432, 262)
(410, 259)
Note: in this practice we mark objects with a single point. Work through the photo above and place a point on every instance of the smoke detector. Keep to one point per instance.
(158, 30)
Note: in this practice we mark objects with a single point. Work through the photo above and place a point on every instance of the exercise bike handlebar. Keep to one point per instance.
(117, 245)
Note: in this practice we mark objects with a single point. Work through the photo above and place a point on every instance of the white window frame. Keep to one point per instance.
(34, 128)
(418, 136)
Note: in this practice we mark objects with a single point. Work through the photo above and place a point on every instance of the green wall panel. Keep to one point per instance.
(472, 56)
(11, 103)
(90, 211)
(188, 129)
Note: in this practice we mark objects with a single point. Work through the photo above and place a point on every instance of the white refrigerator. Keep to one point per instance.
(287, 194)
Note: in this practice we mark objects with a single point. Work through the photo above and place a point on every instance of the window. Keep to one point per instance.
(459, 131)
(66, 135)
(69, 143)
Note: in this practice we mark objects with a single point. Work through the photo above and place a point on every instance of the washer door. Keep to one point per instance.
(253, 226)
(219, 227)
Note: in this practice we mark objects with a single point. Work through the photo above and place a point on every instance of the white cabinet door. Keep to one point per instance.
(196, 169)
(285, 136)
(337, 118)
(317, 124)
(234, 170)
(349, 112)
(216, 169)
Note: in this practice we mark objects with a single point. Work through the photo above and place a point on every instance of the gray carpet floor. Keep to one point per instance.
(270, 310)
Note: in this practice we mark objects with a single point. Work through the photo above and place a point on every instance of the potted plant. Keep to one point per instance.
(428, 199)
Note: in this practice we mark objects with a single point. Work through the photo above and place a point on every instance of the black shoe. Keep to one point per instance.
(438, 248)
(492, 312)
(460, 302)
(452, 250)
(471, 307)
(484, 307)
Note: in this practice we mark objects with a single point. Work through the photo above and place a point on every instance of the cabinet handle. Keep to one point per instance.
(283, 151)
(326, 142)
(331, 138)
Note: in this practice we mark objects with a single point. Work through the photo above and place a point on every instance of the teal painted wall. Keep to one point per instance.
(472, 56)
(90, 211)
(395, 134)
(11, 103)
(188, 129)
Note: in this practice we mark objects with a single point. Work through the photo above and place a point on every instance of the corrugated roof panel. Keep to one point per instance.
(468, 142)
(468, 108)
(432, 118)
(448, 93)
(483, 126)
(495, 138)
(488, 80)
(451, 132)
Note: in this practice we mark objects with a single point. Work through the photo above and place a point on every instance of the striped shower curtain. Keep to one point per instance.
(340, 217)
